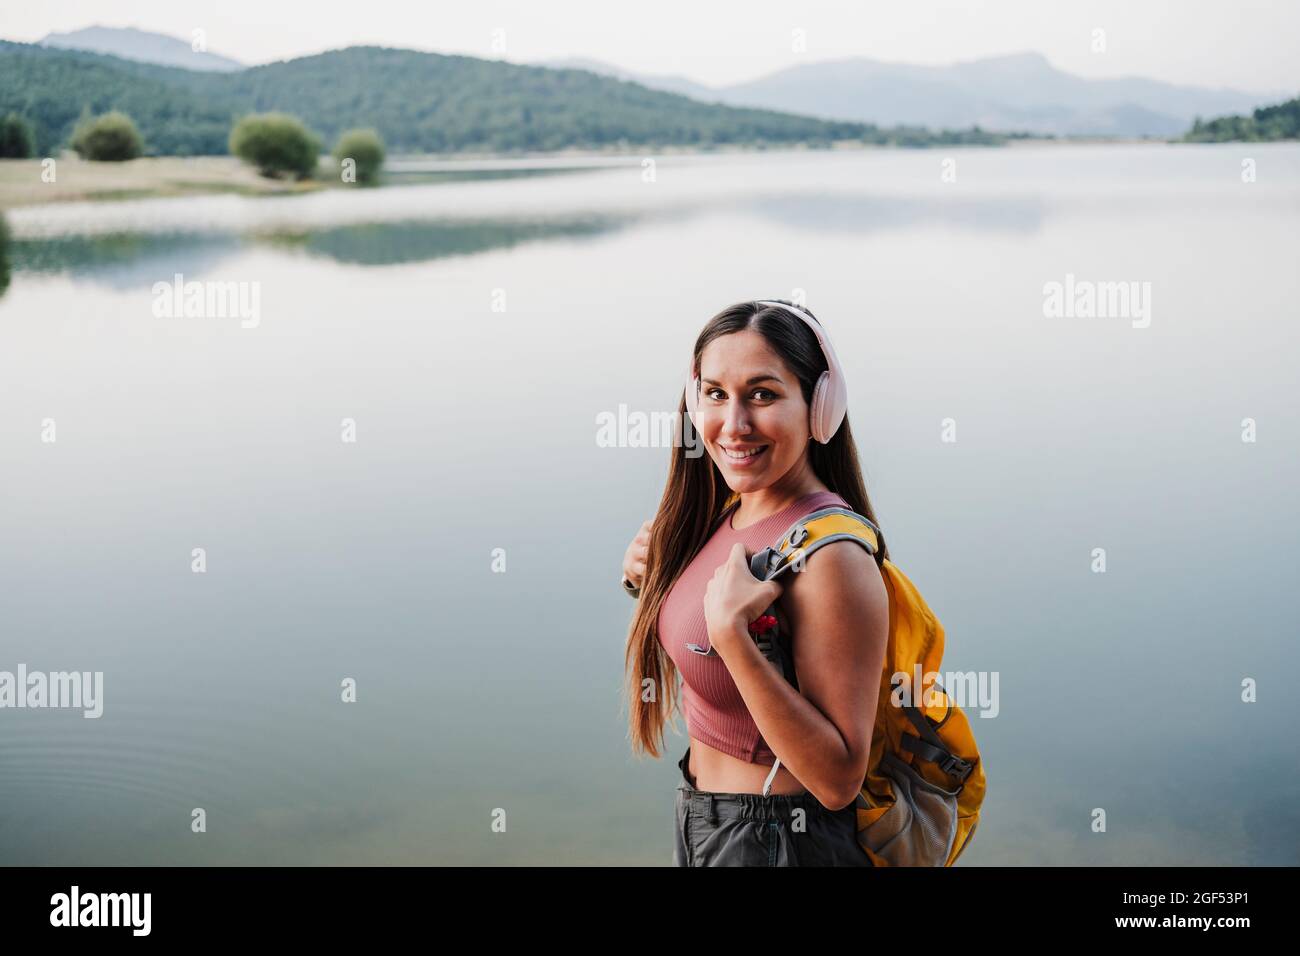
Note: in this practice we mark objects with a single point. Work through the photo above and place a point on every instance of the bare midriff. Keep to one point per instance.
(716, 772)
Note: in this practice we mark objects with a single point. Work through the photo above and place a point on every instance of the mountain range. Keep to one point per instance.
(418, 103)
(141, 46)
(1020, 91)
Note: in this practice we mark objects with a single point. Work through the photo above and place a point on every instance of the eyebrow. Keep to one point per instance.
(753, 381)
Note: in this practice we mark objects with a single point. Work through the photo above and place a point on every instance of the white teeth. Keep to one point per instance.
(741, 457)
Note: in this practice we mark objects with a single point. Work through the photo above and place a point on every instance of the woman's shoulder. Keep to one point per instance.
(842, 560)
(841, 574)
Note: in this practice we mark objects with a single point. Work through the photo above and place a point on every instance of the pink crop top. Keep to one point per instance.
(715, 711)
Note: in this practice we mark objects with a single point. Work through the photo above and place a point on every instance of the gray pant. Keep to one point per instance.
(748, 829)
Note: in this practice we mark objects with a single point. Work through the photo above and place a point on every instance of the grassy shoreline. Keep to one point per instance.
(77, 179)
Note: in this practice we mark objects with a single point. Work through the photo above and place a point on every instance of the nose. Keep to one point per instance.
(736, 421)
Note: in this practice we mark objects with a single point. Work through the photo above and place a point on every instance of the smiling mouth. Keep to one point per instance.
(743, 455)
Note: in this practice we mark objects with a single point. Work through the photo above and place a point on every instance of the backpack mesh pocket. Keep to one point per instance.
(919, 829)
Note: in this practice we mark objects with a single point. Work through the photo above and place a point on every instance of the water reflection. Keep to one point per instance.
(378, 244)
(414, 173)
(124, 260)
(4, 254)
(881, 213)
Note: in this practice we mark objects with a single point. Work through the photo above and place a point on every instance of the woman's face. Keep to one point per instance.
(750, 401)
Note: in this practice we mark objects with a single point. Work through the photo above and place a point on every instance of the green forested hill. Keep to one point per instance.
(1263, 125)
(419, 102)
(50, 88)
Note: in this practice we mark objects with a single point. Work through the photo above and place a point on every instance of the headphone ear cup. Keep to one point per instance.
(817, 415)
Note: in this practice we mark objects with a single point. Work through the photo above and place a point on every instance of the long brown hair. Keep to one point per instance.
(695, 497)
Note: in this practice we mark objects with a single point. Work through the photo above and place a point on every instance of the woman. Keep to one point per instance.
(760, 397)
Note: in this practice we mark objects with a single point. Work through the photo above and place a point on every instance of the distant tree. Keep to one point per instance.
(4, 253)
(1268, 123)
(17, 140)
(363, 147)
(1279, 122)
(108, 138)
(277, 144)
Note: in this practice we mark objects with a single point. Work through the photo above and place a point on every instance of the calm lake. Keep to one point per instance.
(474, 330)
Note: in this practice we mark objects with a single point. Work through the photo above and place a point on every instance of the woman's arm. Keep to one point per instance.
(837, 608)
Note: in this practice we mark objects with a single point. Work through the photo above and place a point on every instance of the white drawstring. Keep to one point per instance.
(767, 784)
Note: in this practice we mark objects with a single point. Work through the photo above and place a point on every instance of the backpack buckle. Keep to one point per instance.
(761, 563)
(959, 768)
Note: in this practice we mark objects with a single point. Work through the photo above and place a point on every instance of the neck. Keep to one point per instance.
(797, 483)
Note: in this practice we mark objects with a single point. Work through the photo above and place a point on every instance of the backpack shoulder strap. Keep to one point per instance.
(809, 533)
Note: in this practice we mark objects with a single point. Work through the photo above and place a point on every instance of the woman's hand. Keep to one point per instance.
(634, 559)
(734, 598)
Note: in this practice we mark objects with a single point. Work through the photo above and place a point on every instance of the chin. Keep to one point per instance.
(744, 484)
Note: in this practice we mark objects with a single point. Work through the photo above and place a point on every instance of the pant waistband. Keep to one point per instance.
(746, 806)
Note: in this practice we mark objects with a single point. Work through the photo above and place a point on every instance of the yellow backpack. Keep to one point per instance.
(920, 802)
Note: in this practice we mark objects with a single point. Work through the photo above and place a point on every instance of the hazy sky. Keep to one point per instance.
(1247, 44)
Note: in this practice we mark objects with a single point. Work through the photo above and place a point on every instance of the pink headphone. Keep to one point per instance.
(830, 398)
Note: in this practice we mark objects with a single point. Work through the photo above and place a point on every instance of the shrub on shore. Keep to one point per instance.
(366, 151)
(17, 140)
(277, 144)
(109, 138)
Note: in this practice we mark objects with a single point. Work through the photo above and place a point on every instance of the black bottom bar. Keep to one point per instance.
(300, 904)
